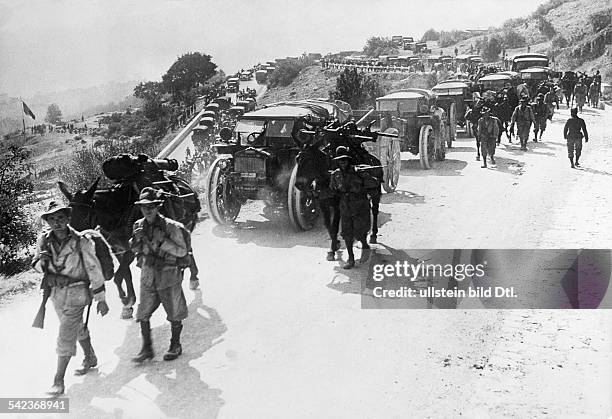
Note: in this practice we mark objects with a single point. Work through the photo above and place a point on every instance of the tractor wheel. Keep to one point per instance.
(452, 125)
(303, 209)
(394, 163)
(440, 141)
(426, 146)
(221, 200)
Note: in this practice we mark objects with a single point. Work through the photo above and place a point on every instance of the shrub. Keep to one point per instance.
(16, 229)
(544, 8)
(601, 20)
(513, 39)
(357, 89)
(546, 28)
(430, 35)
(287, 71)
(452, 37)
(491, 48)
(559, 42)
(85, 166)
(376, 46)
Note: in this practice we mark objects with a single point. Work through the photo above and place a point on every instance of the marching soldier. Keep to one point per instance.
(351, 185)
(580, 93)
(540, 114)
(594, 92)
(158, 242)
(488, 131)
(573, 132)
(72, 271)
(522, 117)
(551, 99)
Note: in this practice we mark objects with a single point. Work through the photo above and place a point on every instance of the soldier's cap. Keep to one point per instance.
(342, 153)
(485, 109)
(149, 196)
(54, 207)
(574, 111)
(523, 99)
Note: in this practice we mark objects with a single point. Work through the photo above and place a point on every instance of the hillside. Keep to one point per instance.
(316, 82)
(576, 41)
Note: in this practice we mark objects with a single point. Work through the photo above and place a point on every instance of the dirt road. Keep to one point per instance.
(278, 332)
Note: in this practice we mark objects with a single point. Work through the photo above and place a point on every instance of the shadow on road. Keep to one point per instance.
(594, 171)
(278, 233)
(402, 197)
(462, 149)
(179, 389)
(448, 167)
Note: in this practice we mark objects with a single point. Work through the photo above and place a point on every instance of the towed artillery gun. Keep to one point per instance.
(419, 121)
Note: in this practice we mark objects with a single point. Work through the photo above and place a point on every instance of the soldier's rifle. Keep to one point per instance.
(39, 319)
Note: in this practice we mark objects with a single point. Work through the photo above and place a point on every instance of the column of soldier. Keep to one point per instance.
(489, 117)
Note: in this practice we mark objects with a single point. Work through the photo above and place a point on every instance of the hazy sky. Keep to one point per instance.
(50, 45)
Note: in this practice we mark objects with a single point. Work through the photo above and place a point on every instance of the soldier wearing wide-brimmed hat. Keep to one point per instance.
(72, 273)
(352, 186)
(158, 242)
(488, 131)
(523, 118)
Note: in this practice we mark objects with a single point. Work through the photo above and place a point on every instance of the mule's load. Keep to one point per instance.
(140, 171)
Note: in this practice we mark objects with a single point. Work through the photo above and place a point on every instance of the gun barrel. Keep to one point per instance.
(363, 118)
(386, 134)
(170, 165)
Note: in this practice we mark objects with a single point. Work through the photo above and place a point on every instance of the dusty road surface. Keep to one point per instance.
(278, 332)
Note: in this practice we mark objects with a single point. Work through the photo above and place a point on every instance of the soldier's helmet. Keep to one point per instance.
(574, 111)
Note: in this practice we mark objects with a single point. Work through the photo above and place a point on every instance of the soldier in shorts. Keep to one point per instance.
(157, 242)
(74, 274)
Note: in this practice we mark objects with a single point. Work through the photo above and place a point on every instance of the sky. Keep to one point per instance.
(54, 45)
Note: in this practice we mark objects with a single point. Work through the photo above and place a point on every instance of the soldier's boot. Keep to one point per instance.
(147, 345)
(541, 133)
(175, 342)
(493, 160)
(365, 251)
(577, 157)
(90, 361)
(535, 136)
(58, 381)
(571, 162)
(335, 245)
(351, 259)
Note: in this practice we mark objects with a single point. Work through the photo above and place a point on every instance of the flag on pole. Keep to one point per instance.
(28, 111)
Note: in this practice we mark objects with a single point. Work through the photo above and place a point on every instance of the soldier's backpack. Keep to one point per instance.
(104, 253)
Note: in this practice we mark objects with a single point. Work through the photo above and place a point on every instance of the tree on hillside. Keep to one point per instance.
(377, 45)
(54, 114)
(546, 28)
(491, 48)
(148, 90)
(188, 71)
(357, 89)
(16, 230)
(513, 39)
(151, 92)
(430, 35)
